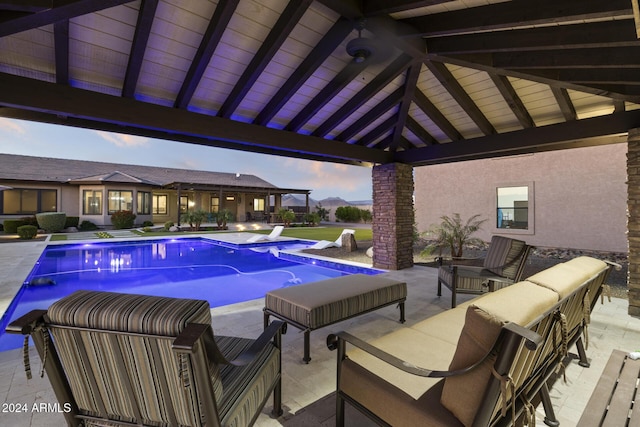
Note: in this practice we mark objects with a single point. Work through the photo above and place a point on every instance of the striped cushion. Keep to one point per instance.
(463, 283)
(504, 256)
(317, 304)
(146, 364)
(246, 388)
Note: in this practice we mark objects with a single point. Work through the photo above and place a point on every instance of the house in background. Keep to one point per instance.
(573, 198)
(95, 190)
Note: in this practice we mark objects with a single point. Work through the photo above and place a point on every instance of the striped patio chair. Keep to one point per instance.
(122, 360)
(502, 266)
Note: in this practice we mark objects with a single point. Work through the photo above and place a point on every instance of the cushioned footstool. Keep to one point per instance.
(318, 304)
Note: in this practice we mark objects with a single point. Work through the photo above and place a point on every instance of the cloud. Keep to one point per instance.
(12, 126)
(122, 140)
(319, 175)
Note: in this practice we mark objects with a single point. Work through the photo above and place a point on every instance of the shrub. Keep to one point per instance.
(11, 225)
(312, 218)
(287, 216)
(30, 220)
(87, 226)
(348, 214)
(27, 232)
(51, 222)
(168, 225)
(194, 218)
(122, 219)
(454, 233)
(147, 224)
(72, 221)
(365, 214)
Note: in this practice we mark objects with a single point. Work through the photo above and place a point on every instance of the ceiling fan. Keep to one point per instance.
(367, 49)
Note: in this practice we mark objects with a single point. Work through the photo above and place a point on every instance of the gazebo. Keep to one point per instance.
(391, 84)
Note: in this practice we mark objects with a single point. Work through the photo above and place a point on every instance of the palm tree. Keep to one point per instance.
(454, 234)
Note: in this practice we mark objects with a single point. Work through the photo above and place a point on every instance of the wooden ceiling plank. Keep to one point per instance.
(140, 39)
(619, 33)
(61, 45)
(447, 79)
(409, 89)
(99, 109)
(377, 132)
(277, 36)
(513, 100)
(385, 7)
(516, 13)
(371, 115)
(307, 67)
(622, 76)
(420, 132)
(59, 13)
(377, 84)
(436, 116)
(563, 135)
(342, 79)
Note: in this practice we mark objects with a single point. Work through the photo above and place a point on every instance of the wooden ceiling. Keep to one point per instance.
(446, 80)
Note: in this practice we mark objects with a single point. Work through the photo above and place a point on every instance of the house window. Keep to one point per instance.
(184, 204)
(215, 204)
(160, 204)
(144, 203)
(21, 201)
(120, 201)
(513, 208)
(258, 205)
(91, 202)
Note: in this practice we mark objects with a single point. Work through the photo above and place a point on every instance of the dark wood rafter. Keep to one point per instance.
(589, 76)
(66, 10)
(30, 6)
(369, 140)
(378, 83)
(408, 90)
(513, 100)
(379, 7)
(370, 116)
(436, 116)
(620, 57)
(316, 57)
(342, 79)
(61, 43)
(221, 17)
(420, 132)
(463, 99)
(516, 13)
(138, 47)
(564, 102)
(278, 34)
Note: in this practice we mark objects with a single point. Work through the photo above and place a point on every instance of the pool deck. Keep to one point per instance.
(305, 386)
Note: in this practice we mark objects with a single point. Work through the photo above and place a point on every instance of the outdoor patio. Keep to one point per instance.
(306, 387)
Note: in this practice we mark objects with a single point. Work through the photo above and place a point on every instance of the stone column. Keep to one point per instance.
(392, 216)
(633, 220)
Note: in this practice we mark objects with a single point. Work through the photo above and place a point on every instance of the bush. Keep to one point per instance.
(312, 218)
(11, 225)
(147, 224)
(348, 214)
(194, 218)
(168, 225)
(27, 232)
(30, 220)
(72, 221)
(123, 219)
(87, 226)
(287, 216)
(51, 222)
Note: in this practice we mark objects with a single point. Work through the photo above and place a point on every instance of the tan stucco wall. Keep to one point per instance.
(580, 195)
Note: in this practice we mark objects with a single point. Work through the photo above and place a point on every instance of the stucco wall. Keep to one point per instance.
(579, 195)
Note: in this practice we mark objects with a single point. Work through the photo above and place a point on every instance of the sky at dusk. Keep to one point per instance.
(351, 183)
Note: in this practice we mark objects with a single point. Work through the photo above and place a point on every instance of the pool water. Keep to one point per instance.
(185, 268)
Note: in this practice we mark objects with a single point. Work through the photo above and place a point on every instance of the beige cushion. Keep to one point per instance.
(591, 265)
(561, 278)
(446, 326)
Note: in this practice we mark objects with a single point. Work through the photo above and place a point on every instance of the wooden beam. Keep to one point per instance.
(101, 109)
(408, 90)
(611, 128)
(619, 57)
(436, 116)
(56, 14)
(564, 102)
(636, 16)
(384, 127)
(370, 116)
(30, 6)
(458, 93)
(61, 44)
(516, 14)
(586, 76)
(385, 7)
(350, 9)
(417, 129)
(278, 34)
(373, 87)
(140, 39)
(307, 67)
(217, 25)
(513, 100)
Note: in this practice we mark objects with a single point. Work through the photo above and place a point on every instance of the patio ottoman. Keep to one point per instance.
(318, 304)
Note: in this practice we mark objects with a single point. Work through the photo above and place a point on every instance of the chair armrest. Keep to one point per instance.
(532, 341)
(27, 323)
(186, 341)
(613, 265)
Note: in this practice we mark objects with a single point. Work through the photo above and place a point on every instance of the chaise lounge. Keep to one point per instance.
(120, 359)
(323, 244)
(275, 233)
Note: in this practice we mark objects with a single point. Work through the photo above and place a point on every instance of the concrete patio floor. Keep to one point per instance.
(304, 385)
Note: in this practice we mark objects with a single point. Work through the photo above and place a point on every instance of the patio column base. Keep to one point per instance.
(393, 216)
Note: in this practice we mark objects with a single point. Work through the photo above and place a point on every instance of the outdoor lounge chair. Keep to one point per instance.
(502, 266)
(323, 244)
(122, 359)
(275, 233)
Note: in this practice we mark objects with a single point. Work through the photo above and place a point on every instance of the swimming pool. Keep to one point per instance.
(219, 272)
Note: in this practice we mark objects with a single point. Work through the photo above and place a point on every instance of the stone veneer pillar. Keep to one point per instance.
(393, 216)
(633, 220)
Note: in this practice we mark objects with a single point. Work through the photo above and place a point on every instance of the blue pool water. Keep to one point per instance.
(186, 268)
